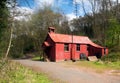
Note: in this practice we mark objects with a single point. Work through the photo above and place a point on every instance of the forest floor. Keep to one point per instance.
(65, 73)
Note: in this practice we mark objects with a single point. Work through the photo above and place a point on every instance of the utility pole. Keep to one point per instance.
(76, 8)
(72, 42)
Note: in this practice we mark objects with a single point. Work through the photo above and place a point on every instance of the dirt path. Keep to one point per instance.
(68, 74)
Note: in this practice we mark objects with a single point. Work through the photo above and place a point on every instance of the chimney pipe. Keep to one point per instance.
(51, 30)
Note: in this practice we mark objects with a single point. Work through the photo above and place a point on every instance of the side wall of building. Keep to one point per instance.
(62, 55)
(87, 50)
(83, 50)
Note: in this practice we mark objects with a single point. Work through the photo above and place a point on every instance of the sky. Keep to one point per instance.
(66, 7)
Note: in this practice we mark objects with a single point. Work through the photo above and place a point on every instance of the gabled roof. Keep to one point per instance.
(62, 38)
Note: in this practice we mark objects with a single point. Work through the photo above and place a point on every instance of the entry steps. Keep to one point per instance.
(92, 58)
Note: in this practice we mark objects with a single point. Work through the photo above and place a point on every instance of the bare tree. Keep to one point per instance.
(12, 6)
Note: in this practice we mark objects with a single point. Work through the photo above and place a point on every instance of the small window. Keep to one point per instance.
(66, 47)
(78, 47)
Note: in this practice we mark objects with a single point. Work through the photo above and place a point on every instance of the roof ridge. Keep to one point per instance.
(68, 35)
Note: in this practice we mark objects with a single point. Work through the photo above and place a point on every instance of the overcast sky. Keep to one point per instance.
(66, 7)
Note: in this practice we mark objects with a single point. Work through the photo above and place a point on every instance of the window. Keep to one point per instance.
(78, 47)
(66, 47)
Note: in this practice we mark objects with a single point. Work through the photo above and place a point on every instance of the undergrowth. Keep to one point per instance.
(12, 72)
(112, 57)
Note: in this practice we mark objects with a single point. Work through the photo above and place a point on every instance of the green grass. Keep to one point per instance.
(12, 72)
(99, 67)
(109, 62)
(37, 58)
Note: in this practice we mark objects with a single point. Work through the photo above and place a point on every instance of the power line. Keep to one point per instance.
(28, 4)
(76, 8)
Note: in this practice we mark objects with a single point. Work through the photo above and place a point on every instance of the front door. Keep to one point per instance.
(48, 52)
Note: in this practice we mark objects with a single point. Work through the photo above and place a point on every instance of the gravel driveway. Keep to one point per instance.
(68, 74)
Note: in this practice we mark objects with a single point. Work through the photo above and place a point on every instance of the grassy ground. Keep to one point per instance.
(37, 58)
(99, 67)
(12, 72)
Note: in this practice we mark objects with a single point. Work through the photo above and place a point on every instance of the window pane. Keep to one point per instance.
(66, 47)
(78, 47)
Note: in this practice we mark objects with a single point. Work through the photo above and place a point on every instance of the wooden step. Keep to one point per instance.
(46, 58)
(92, 58)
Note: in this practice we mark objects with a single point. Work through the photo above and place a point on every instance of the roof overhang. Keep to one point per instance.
(45, 44)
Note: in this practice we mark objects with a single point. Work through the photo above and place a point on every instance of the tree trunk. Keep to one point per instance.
(10, 41)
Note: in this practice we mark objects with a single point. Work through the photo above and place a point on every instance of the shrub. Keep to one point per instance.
(112, 57)
(12, 72)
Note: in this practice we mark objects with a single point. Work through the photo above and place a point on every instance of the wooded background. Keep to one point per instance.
(20, 37)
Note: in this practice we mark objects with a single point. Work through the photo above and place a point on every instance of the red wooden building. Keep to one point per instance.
(60, 47)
